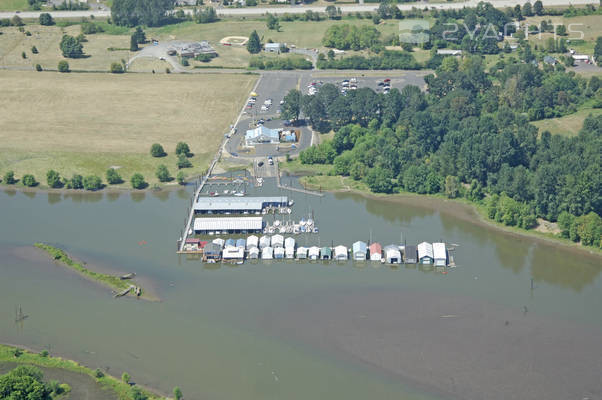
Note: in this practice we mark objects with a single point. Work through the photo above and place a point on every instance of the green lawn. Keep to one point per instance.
(569, 125)
(13, 5)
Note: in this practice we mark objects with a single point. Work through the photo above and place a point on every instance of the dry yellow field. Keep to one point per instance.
(87, 122)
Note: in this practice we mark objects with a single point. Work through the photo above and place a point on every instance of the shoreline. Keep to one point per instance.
(60, 256)
(436, 202)
(110, 382)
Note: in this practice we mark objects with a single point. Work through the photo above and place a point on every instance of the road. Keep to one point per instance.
(303, 9)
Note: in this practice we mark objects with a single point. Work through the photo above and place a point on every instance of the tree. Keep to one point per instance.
(292, 105)
(23, 55)
(181, 177)
(182, 148)
(183, 162)
(76, 182)
(206, 15)
(29, 180)
(39, 68)
(116, 68)
(134, 43)
(138, 394)
(538, 7)
(177, 393)
(125, 377)
(157, 150)
(139, 35)
(333, 12)
(272, 22)
(24, 383)
(46, 19)
(9, 178)
(71, 47)
(561, 30)
(598, 50)
(53, 179)
(163, 173)
(254, 44)
(141, 12)
(113, 177)
(16, 21)
(452, 186)
(527, 10)
(92, 182)
(137, 182)
(34, 50)
(98, 373)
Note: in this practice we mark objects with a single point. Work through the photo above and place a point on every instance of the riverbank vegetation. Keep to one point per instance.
(469, 137)
(104, 125)
(113, 282)
(122, 390)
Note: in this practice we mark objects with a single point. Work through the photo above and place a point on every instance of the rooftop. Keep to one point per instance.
(236, 203)
(228, 224)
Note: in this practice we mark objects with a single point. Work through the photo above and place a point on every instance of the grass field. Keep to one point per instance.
(85, 123)
(13, 5)
(569, 125)
(589, 25)
(47, 39)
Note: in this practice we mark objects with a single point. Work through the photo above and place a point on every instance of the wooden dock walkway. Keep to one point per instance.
(294, 189)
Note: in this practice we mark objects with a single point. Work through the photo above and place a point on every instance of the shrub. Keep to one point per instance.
(116, 68)
(125, 377)
(157, 150)
(177, 393)
(53, 179)
(63, 66)
(98, 373)
(163, 173)
(182, 148)
(17, 353)
(90, 28)
(39, 68)
(204, 57)
(167, 71)
(44, 353)
(92, 182)
(76, 182)
(9, 178)
(46, 19)
(16, 21)
(137, 181)
(71, 47)
(134, 43)
(29, 180)
(23, 55)
(181, 178)
(183, 162)
(185, 62)
(113, 177)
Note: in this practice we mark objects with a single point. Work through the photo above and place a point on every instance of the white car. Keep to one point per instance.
(264, 108)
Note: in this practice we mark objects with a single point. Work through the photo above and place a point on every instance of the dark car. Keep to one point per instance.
(260, 164)
(381, 84)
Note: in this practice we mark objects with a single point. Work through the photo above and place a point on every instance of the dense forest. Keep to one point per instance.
(469, 136)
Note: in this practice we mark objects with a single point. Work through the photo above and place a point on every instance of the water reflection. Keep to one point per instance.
(30, 194)
(11, 192)
(54, 198)
(511, 252)
(559, 268)
(137, 197)
(162, 195)
(183, 194)
(113, 196)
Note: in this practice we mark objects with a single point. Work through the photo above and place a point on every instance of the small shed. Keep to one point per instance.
(277, 241)
(313, 253)
(326, 253)
(253, 253)
(252, 241)
(274, 47)
(360, 250)
(410, 255)
(264, 241)
(376, 252)
(267, 253)
(301, 253)
(220, 242)
(279, 252)
(340, 253)
(392, 254)
(439, 254)
(212, 251)
(425, 253)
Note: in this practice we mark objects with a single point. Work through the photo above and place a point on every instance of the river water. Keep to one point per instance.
(289, 330)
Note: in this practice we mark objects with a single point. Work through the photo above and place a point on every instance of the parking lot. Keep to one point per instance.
(275, 85)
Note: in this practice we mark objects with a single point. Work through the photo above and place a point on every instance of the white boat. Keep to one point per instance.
(267, 253)
(239, 194)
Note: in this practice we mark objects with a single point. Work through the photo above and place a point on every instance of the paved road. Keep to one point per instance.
(303, 9)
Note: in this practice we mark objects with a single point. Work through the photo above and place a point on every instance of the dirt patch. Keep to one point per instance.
(547, 226)
(234, 40)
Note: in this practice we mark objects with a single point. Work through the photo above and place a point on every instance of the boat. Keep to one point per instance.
(128, 276)
(239, 194)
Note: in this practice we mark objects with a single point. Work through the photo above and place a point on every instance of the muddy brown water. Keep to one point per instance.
(307, 330)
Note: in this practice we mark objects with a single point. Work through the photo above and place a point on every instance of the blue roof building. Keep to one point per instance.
(261, 134)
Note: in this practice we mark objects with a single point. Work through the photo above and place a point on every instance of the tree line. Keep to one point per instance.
(469, 136)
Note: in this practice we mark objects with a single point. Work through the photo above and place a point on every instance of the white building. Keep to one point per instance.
(253, 253)
(314, 253)
(301, 253)
(278, 252)
(264, 242)
(340, 253)
(277, 241)
(392, 254)
(252, 241)
(425, 253)
(260, 135)
(267, 253)
(439, 254)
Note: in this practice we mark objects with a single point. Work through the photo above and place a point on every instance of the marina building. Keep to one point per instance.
(410, 255)
(212, 251)
(360, 250)
(233, 254)
(260, 135)
(279, 252)
(392, 254)
(220, 242)
(264, 242)
(313, 253)
(439, 254)
(277, 241)
(376, 252)
(253, 253)
(252, 241)
(425, 253)
(325, 253)
(340, 253)
(228, 225)
(237, 205)
(267, 253)
(301, 253)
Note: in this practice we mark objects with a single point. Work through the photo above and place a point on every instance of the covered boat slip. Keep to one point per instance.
(237, 205)
(228, 225)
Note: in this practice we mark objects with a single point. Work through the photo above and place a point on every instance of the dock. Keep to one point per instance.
(294, 189)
